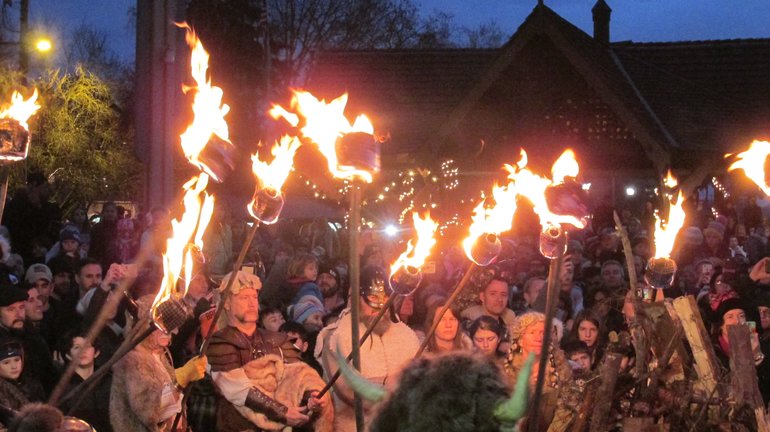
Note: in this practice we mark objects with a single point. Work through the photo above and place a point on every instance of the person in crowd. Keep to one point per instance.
(78, 220)
(11, 263)
(392, 345)
(570, 288)
(329, 284)
(757, 244)
(486, 334)
(301, 278)
(271, 318)
(67, 249)
(448, 335)
(494, 303)
(614, 276)
(304, 341)
(104, 236)
(246, 362)
(30, 214)
(218, 242)
(715, 245)
(95, 407)
(154, 238)
(578, 354)
(721, 288)
(733, 312)
(588, 329)
(704, 270)
(146, 392)
(308, 311)
(528, 335)
(39, 278)
(16, 388)
(687, 251)
(13, 306)
(532, 289)
(127, 242)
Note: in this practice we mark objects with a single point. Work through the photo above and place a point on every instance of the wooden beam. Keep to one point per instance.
(744, 388)
(706, 363)
(605, 393)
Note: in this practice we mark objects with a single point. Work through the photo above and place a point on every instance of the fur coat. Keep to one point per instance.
(286, 383)
(137, 384)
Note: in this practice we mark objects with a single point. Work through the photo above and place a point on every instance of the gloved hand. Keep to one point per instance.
(193, 370)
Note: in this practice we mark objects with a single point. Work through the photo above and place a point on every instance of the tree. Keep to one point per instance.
(78, 138)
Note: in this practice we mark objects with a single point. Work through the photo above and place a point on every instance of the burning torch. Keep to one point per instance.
(352, 153)
(14, 135)
(661, 268)
(752, 162)
(491, 217)
(405, 277)
(558, 201)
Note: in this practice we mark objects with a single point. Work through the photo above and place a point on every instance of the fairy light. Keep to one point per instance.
(720, 187)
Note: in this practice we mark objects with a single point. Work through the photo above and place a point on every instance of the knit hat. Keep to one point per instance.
(242, 280)
(522, 322)
(35, 272)
(69, 234)
(693, 235)
(10, 295)
(305, 307)
(715, 228)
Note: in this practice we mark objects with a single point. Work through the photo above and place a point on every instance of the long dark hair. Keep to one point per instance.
(597, 351)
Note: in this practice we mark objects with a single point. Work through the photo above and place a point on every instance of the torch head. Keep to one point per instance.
(485, 249)
(171, 314)
(568, 198)
(266, 205)
(217, 158)
(660, 272)
(14, 140)
(551, 240)
(360, 150)
(405, 280)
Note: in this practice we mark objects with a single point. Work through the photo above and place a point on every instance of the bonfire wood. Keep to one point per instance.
(743, 383)
(604, 394)
(706, 363)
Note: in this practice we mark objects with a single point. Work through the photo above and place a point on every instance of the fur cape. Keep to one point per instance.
(137, 384)
(286, 383)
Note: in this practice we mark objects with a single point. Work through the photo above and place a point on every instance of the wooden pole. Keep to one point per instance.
(744, 384)
(354, 224)
(706, 363)
(5, 173)
(552, 293)
(604, 394)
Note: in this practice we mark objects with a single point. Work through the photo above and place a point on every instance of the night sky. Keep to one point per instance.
(638, 20)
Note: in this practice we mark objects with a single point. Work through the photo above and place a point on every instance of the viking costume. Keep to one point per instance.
(554, 413)
(259, 376)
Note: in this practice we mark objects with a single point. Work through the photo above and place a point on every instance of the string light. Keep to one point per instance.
(720, 187)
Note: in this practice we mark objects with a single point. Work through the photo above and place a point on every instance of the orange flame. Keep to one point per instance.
(208, 110)
(752, 162)
(416, 252)
(21, 110)
(187, 236)
(533, 187)
(665, 233)
(324, 124)
(274, 174)
(492, 220)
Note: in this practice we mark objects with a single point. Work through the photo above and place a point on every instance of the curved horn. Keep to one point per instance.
(514, 408)
(365, 388)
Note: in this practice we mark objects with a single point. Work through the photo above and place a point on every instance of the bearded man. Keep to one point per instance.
(391, 346)
(258, 372)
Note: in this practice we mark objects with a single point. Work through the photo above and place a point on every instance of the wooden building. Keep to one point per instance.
(629, 110)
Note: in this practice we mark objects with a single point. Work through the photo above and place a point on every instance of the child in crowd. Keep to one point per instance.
(16, 390)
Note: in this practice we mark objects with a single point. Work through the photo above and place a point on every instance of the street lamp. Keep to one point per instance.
(43, 45)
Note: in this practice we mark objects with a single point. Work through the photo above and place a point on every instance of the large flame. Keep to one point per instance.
(187, 238)
(21, 110)
(274, 174)
(324, 124)
(492, 220)
(208, 110)
(752, 162)
(416, 252)
(533, 187)
(665, 232)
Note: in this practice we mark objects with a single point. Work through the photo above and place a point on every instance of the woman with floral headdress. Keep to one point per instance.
(527, 338)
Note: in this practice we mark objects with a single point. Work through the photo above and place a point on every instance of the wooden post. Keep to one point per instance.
(605, 393)
(744, 388)
(706, 364)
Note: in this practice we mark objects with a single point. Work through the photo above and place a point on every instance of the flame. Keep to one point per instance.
(416, 253)
(187, 235)
(492, 220)
(208, 110)
(665, 233)
(532, 187)
(274, 174)
(752, 162)
(324, 124)
(21, 110)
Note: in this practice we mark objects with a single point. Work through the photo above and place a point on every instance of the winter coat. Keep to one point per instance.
(138, 380)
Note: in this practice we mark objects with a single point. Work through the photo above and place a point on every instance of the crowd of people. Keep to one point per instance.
(287, 314)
